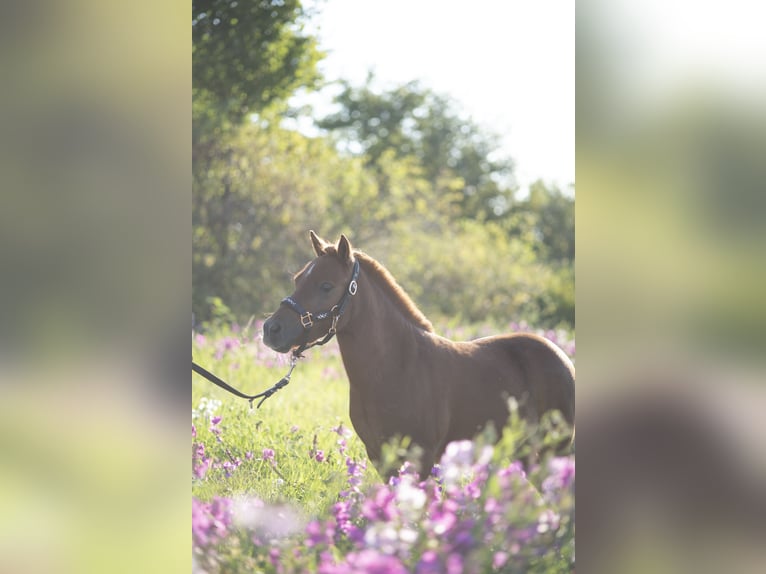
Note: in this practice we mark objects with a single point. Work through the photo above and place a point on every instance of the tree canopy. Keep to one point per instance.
(458, 158)
(248, 55)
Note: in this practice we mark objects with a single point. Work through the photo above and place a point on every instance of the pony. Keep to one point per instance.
(404, 379)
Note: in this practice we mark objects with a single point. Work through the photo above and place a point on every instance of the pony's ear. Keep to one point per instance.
(344, 249)
(320, 245)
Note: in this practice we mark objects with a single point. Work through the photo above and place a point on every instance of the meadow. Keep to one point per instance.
(288, 488)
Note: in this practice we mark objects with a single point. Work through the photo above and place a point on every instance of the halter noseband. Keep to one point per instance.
(308, 319)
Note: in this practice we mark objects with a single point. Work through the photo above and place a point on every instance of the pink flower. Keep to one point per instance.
(210, 521)
(368, 561)
(499, 560)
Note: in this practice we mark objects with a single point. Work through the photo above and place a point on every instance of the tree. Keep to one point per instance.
(545, 219)
(248, 55)
(459, 159)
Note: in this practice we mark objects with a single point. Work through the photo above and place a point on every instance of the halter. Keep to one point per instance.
(308, 319)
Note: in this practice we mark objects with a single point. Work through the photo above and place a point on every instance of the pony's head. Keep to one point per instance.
(323, 289)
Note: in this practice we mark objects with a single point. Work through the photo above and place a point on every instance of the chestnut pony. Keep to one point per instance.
(405, 380)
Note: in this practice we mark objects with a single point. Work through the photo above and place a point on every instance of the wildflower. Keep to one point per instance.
(410, 498)
(368, 561)
(548, 520)
(210, 521)
(562, 471)
(382, 536)
(224, 345)
(319, 456)
(354, 470)
(380, 506)
(429, 563)
(342, 431)
(443, 522)
(266, 521)
(200, 462)
(215, 429)
(499, 559)
(457, 461)
(268, 455)
(318, 534)
(455, 564)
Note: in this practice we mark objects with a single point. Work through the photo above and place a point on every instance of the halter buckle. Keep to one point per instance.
(333, 328)
(306, 320)
(352, 287)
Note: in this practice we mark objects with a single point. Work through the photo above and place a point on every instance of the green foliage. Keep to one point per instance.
(458, 159)
(424, 189)
(249, 55)
(259, 196)
(546, 220)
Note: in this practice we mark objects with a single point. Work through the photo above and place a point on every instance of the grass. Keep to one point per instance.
(287, 487)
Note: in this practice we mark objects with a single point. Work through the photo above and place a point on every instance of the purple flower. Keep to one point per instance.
(200, 462)
(319, 456)
(341, 430)
(562, 473)
(443, 521)
(380, 506)
(429, 563)
(318, 534)
(368, 561)
(268, 455)
(274, 556)
(455, 564)
(354, 470)
(210, 521)
(499, 559)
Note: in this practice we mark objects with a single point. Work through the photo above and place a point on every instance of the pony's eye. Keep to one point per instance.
(326, 287)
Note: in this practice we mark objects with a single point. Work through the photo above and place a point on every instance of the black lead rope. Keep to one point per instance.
(263, 396)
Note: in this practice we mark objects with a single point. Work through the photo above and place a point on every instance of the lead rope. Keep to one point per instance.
(283, 382)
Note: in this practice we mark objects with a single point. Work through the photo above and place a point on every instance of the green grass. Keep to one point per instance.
(295, 423)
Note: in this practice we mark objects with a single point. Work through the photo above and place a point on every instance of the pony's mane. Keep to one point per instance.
(398, 296)
(395, 292)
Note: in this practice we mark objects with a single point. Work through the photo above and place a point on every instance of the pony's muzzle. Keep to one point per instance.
(273, 334)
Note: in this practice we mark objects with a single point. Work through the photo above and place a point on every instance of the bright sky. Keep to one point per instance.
(509, 63)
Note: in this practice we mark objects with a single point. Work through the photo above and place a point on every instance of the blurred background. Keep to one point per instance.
(671, 168)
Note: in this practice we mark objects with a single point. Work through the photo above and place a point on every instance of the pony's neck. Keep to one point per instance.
(382, 330)
(391, 292)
